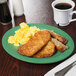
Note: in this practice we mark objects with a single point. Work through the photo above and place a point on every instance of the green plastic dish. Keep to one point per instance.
(12, 50)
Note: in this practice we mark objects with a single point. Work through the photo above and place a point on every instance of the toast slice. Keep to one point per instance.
(59, 46)
(58, 37)
(47, 51)
(35, 43)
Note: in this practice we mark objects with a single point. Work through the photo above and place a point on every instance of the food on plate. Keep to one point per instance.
(35, 43)
(42, 44)
(23, 34)
(58, 37)
(59, 46)
(47, 51)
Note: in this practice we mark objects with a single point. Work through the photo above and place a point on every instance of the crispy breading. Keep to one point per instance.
(59, 46)
(58, 37)
(19, 50)
(35, 43)
(47, 51)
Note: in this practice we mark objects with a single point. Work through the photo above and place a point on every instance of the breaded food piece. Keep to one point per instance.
(35, 43)
(59, 46)
(47, 51)
(19, 50)
(58, 37)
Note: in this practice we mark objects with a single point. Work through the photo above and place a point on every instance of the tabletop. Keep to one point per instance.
(10, 66)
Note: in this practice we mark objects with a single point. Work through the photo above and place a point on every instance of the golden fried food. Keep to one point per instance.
(19, 50)
(35, 43)
(58, 37)
(59, 46)
(47, 51)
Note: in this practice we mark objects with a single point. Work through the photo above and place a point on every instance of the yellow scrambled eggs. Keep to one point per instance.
(23, 34)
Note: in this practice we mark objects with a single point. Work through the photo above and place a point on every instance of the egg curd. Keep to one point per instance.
(23, 34)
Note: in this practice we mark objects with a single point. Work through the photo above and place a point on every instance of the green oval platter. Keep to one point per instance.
(13, 50)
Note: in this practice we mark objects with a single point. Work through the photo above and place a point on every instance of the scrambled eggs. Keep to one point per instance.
(23, 34)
